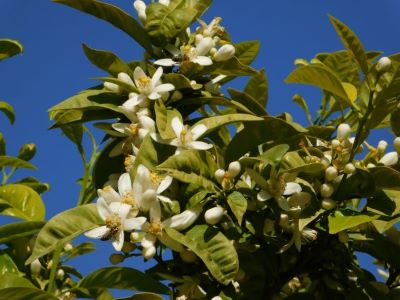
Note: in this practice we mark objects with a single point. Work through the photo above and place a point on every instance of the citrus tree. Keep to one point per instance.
(229, 201)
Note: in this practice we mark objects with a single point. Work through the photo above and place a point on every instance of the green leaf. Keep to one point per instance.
(18, 230)
(238, 204)
(24, 293)
(321, 77)
(7, 265)
(359, 185)
(9, 48)
(213, 123)
(293, 162)
(386, 178)
(164, 118)
(13, 280)
(346, 219)
(114, 16)
(122, 278)
(179, 81)
(213, 248)
(8, 110)
(21, 202)
(299, 100)
(106, 61)
(257, 88)
(34, 184)
(63, 228)
(257, 133)
(231, 67)
(246, 52)
(163, 23)
(247, 101)
(14, 162)
(143, 296)
(81, 249)
(352, 43)
(274, 155)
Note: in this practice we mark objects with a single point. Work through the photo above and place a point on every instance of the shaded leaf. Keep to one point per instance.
(247, 101)
(14, 162)
(8, 110)
(257, 88)
(386, 178)
(24, 293)
(346, 219)
(9, 48)
(299, 100)
(238, 204)
(14, 231)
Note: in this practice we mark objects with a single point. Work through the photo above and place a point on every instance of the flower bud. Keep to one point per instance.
(325, 161)
(214, 215)
(219, 175)
(225, 53)
(234, 168)
(331, 173)
(164, 2)
(284, 221)
(335, 143)
(389, 159)
(115, 259)
(396, 144)
(198, 38)
(135, 237)
(68, 247)
(216, 298)
(112, 87)
(188, 256)
(326, 190)
(60, 274)
(349, 168)
(36, 267)
(343, 132)
(384, 64)
(27, 152)
(328, 204)
(140, 7)
(382, 146)
(148, 253)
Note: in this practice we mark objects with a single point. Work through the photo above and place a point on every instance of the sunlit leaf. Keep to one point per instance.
(14, 162)
(299, 100)
(7, 265)
(24, 293)
(238, 204)
(346, 219)
(246, 52)
(12, 280)
(14, 231)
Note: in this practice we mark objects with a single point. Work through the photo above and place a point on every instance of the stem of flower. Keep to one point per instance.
(53, 271)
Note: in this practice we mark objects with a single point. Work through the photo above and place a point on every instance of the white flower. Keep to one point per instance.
(190, 53)
(224, 53)
(140, 7)
(212, 29)
(123, 77)
(134, 134)
(116, 222)
(384, 64)
(390, 159)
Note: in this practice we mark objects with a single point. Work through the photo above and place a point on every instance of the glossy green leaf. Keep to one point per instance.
(143, 296)
(106, 61)
(319, 76)
(34, 184)
(386, 178)
(8, 110)
(300, 101)
(238, 204)
(232, 67)
(122, 278)
(293, 162)
(257, 88)
(246, 52)
(7, 265)
(352, 43)
(164, 118)
(165, 22)
(12, 280)
(114, 16)
(395, 121)
(14, 162)
(248, 101)
(25, 293)
(179, 81)
(63, 228)
(213, 248)
(18, 230)
(21, 202)
(9, 48)
(346, 219)
(275, 154)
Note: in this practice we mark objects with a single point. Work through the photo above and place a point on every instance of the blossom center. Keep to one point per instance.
(114, 224)
(155, 227)
(127, 198)
(154, 178)
(276, 186)
(134, 129)
(184, 136)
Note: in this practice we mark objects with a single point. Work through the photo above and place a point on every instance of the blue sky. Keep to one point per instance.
(53, 66)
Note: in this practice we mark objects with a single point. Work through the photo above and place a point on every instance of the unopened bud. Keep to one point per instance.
(382, 146)
(331, 173)
(164, 2)
(225, 53)
(349, 168)
(111, 87)
(384, 64)
(148, 253)
(234, 168)
(68, 247)
(135, 237)
(214, 215)
(115, 259)
(328, 204)
(188, 256)
(343, 132)
(60, 274)
(219, 175)
(284, 221)
(335, 143)
(27, 152)
(396, 144)
(36, 267)
(390, 159)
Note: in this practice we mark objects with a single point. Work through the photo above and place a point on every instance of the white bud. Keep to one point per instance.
(335, 143)
(331, 173)
(225, 53)
(125, 78)
(343, 132)
(284, 221)
(349, 168)
(140, 7)
(35, 267)
(326, 190)
(216, 40)
(135, 237)
(148, 253)
(389, 159)
(371, 165)
(68, 247)
(60, 274)
(396, 144)
(164, 2)
(234, 168)
(198, 38)
(328, 204)
(325, 161)
(219, 175)
(188, 256)
(111, 87)
(384, 64)
(382, 146)
(214, 215)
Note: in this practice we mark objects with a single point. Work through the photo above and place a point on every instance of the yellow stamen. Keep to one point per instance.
(183, 135)
(155, 227)
(127, 198)
(134, 129)
(155, 179)
(113, 222)
(144, 81)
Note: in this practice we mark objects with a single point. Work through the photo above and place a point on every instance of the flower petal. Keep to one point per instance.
(203, 61)
(199, 145)
(103, 209)
(291, 188)
(156, 77)
(124, 184)
(146, 122)
(108, 194)
(154, 96)
(184, 219)
(120, 209)
(137, 74)
(165, 62)
(204, 46)
(97, 233)
(263, 195)
(135, 223)
(118, 240)
(177, 126)
(155, 211)
(389, 159)
(148, 240)
(121, 128)
(198, 131)
(165, 183)
(166, 87)
(164, 199)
